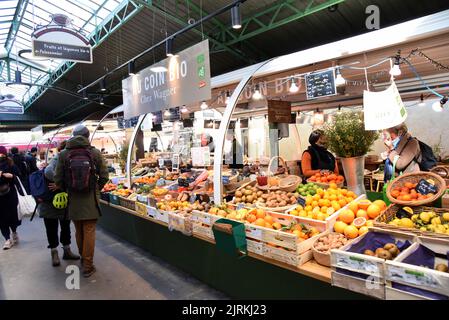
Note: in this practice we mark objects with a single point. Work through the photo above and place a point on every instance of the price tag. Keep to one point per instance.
(225, 180)
(301, 201)
(425, 187)
(152, 212)
(254, 233)
(192, 198)
(355, 263)
(412, 276)
(161, 162)
(240, 206)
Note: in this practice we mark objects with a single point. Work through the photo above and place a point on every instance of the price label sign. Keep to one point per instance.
(301, 201)
(161, 162)
(426, 187)
(175, 162)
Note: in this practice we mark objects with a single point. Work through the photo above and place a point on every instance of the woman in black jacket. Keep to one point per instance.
(9, 220)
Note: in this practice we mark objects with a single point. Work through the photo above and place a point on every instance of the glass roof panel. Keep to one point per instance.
(85, 15)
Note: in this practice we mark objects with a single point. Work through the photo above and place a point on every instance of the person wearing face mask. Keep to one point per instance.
(9, 220)
(317, 158)
(402, 148)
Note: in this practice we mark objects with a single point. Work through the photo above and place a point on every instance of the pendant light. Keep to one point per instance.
(293, 86)
(167, 113)
(184, 109)
(421, 101)
(204, 105)
(257, 95)
(318, 118)
(395, 71)
(437, 106)
(339, 80)
(228, 97)
(103, 84)
(169, 47)
(101, 101)
(131, 68)
(85, 97)
(236, 17)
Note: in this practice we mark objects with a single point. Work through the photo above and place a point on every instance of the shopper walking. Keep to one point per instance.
(22, 165)
(403, 149)
(81, 171)
(317, 158)
(31, 159)
(53, 210)
(9, 220)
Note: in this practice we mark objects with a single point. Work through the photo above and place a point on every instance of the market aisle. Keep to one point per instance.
(124, 272)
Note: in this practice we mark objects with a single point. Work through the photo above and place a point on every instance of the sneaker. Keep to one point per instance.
(88, 272)
(8, 244)
(15, 237)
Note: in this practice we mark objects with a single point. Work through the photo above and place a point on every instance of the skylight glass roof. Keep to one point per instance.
(85, 15)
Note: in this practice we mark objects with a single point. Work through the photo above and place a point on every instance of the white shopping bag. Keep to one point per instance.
(383, 109)
(26, 204)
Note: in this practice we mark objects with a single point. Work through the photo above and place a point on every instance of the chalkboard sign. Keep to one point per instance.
(301, 201)
(320, 84)
(425, 187)
(123, 123)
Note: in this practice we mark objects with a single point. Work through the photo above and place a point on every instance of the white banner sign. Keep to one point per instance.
(383, 109)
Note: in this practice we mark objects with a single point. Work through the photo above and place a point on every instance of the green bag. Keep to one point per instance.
(384, 190)
(230, 237)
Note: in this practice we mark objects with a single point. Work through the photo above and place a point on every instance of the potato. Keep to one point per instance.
(249, 198)
(244, 199)
(259, 193)
(237, 200)
(238, 194)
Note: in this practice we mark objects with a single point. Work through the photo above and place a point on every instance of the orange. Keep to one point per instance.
(316, 197)
(251, 218)
(395, 193)
(308, 208)
(260, 222)
(324, 209)
(268, 225)
(269, 219)
(370, 223)
(373, 211)
(359, 222)
(333, 197)
(351, 194)
(260, 214)
(336, 205)
(333, 185)
(344, 191)
(277, 225)
(363, 230)
(342, 202)
(320, 216)
(351, 232)
(364, 204)
(298, 227)
(407, 197)
(340, 226)
(347, 216)
(362, 213)
(382, 204)
(330, 211)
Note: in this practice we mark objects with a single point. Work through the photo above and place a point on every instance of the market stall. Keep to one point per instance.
(250, 225)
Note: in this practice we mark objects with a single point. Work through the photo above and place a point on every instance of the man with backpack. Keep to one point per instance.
(81, 171)
(31, 160)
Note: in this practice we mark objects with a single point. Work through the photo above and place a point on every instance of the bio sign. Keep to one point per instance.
(186, 80)
(11, 106)
(60, 40)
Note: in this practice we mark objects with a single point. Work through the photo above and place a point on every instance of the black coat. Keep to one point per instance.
(9, 202)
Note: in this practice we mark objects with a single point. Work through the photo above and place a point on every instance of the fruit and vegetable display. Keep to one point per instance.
(327, 178)
(159, 192)
(146, 180)
(124, 193)
(330, 241)
(430, 221)
(108, 187)
(308, 189)
(184, 206)
(251, 195)
(387, 252)
(358, 217)
(144, 189)
(262, 218)
(408, 192)
(324, 203)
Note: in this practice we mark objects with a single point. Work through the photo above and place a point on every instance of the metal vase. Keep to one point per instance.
(354, 173)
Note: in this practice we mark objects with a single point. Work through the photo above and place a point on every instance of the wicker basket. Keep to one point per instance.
(284, 164)
(390, 213)
(326, 185)
(129, 204)
(415, 177)
(289, 183)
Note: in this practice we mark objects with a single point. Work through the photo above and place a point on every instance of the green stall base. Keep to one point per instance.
(233, 243)
(248, 278)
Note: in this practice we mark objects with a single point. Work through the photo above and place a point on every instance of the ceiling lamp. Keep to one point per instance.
(421, 101)
(131, 68)
(437, 106)
(184, 109)
(167, 113)
(101, 101)
(228, 97)
(339, 80)
(318, 118)
(17, 81)
(169, 47)
(236, 17)
(204, 105)
(158, 69)
(103, 84)
(395, 71)
(257, 95)
(85, 97)
(293, 86)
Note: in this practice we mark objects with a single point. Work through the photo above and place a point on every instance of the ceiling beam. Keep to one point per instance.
(121, 14)
(18, 16)
(275, 16)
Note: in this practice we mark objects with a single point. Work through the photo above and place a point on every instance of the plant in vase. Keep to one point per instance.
(348, 139)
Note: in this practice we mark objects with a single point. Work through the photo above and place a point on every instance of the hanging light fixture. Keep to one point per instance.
(228, 97)
(17, 81)
(257, 95)
(339, 80)
(395, 71)
(169, 47)
(184, 109)
(103, 84)
(421, 101)
(157, 69)
(167, 113)
(101, 101)
(85, 97)
(437, 106)
(131, 68)
(318, 118)
(204, 105)
(236, 17)
(293, 86)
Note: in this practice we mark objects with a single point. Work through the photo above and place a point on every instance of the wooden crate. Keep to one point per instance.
(327, 224)
(255, 246)
(420, 277)
(287, 256)
(203, 231)
(127, 203)
(362, 264)
(152, 212)
(114, 199)
(180, 222)
(395, 294)
(141, 208)
(370, 287)
(161, 216)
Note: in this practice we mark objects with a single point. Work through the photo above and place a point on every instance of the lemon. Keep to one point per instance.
(436, 221)
(406, 223)
(446, 216)
(408, 209)
(424, 216)
(423, 229)
(415, 217)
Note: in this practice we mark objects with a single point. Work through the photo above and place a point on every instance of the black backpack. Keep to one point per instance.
(80, 170)
(428, 159)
